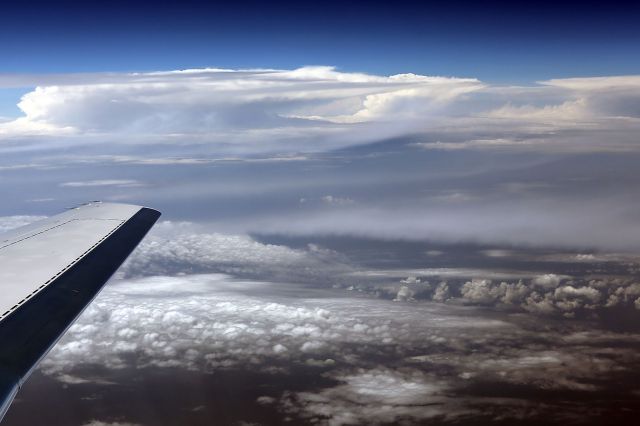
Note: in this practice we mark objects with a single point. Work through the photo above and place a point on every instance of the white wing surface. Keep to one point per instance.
(50, 271)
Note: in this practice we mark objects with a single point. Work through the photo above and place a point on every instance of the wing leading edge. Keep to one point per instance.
(50, 271)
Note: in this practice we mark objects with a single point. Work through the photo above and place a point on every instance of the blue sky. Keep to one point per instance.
(492, 42)
(499, 43)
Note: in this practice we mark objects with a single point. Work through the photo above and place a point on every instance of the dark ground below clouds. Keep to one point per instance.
(170, 397)
(159, 397)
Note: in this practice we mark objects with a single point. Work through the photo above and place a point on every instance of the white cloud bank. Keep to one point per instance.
(245, 107)
(310, 108)
(212, 321)
(182, 247)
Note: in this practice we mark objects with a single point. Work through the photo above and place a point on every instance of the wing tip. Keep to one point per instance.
(152, 214)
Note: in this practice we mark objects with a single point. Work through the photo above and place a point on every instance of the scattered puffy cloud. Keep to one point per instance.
(404, 294)
(547, 281)
(212, 321)
(552, 297)
(546, 294)
(484, 293)
(441, 293)
(376, 396)
(622, 292)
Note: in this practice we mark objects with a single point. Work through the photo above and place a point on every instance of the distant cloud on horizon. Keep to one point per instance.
(405, 156)
(261, 110)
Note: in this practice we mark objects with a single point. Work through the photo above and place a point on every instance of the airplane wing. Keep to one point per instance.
(50, 271)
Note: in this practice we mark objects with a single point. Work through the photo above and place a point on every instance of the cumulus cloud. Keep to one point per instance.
(212, 321)
(376, 396)
(540, 294)
(404, 294)
(622, 292)
(547, 281)
(551, 298)
(192, 322)
(483, 292)
(442, 292)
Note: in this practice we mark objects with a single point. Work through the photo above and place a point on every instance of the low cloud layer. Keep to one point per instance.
(186, 248)
(385, 362)
(443, 345)
(183, 248)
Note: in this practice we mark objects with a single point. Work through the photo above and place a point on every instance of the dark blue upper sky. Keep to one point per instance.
(486, 40)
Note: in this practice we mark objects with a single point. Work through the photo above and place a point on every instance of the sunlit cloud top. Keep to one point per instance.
(319, 108)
